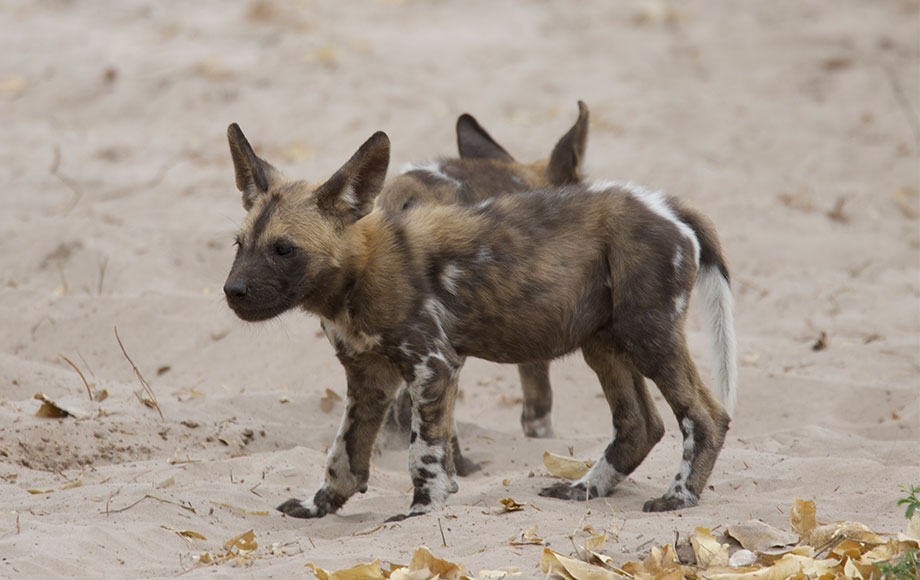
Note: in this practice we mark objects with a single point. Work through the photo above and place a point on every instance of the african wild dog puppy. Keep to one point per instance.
(483, 169)
(407, 296)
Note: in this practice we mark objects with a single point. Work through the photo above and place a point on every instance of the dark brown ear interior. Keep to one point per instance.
(564, 165)
(252, 172)
(350, 192)
(475, 143)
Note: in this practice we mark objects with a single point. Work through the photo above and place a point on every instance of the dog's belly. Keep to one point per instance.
(544, 327)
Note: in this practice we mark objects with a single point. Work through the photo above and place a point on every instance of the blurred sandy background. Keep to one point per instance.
(792, 124)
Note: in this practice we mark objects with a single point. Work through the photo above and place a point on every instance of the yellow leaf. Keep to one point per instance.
(595, 542)
(166, 483)
(526, 538)
(802, 516)
(191, 534)
(571, 569)
(566, 467)
(660, 564)
(39, 491)
(327, 403)
(423, 559)
(245, 542)
(511, 505)
(497, 574)
(364, 571)
(913, 527)
(12, 86)
(757, 536)
(709, 552)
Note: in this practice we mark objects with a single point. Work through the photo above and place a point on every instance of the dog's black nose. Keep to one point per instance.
(235, 289)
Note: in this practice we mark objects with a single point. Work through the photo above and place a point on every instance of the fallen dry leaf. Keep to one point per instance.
(595, 542)
(51, 410)
(243, 542)
(758, 536)
(572, 569)
(34, 491)
(709, 552)
(328, 401)
(511, 505)
(661, 564)
(566, 467)
(802, 516)
(166, 483)
(526, 538)
(366, 571)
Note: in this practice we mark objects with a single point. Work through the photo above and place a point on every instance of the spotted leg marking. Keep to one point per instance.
(371, 383)
(433, 387)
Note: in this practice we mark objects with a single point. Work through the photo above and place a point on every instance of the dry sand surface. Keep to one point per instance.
(793, 124)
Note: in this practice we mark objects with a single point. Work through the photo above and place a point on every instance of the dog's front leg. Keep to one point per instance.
(432, 383)
(372, 382)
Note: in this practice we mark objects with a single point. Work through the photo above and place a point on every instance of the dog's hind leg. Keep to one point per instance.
(637, 426)
(703, 422)
(537, 415)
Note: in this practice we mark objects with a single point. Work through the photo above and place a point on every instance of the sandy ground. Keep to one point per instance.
(793, 124)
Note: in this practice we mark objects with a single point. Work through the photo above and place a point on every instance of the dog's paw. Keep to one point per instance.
(576, 491)
(668, 503)
(300, 509)
(323, 502)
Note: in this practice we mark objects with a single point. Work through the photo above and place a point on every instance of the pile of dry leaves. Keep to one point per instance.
(750, 551)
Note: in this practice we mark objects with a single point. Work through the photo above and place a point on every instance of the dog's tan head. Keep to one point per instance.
(289, 246)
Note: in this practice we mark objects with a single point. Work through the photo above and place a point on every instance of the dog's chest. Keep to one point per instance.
(345, 337)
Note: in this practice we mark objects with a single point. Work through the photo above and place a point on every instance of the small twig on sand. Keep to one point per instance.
(148, 496)
(903, 102)
(70, 183)
(102, 266)
(18, 529)
(443, 539)
(137, 373)
(89, 391)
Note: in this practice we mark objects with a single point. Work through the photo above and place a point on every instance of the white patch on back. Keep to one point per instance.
(432, 168)
(680, 305)
(654, 201)
(449, 276)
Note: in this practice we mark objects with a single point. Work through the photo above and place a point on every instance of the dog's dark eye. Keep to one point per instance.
(283, 248)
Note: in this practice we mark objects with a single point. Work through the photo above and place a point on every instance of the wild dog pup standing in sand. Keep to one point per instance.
(485, 169)
(407, 296)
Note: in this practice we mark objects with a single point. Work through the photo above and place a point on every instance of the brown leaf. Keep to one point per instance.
(328, 401)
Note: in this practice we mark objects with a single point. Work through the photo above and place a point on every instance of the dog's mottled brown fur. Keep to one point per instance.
(484, 169)
(408, 295)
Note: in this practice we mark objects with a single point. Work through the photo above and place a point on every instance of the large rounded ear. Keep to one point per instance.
(349, 194)
(565, 162)
(254, 176)
(475, 143)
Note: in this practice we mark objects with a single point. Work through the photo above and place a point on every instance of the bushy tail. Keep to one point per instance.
(717, 303)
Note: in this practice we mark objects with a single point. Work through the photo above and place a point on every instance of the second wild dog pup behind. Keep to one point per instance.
(485, 169)
(407, 296)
